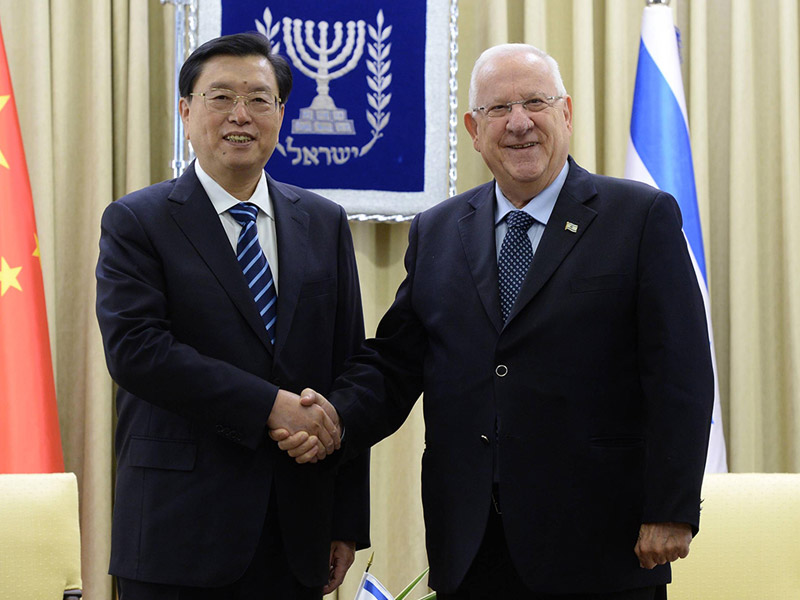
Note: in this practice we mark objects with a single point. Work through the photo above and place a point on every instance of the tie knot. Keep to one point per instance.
(244, 213)
(519, 219)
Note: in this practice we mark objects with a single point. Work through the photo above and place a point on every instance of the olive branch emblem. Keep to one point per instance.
(380, 79)
(268, 30)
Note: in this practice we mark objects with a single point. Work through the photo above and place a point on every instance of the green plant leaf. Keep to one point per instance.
(411, 585)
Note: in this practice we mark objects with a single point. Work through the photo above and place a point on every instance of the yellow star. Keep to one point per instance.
(8, 277)
(36, 252)
(3, 100)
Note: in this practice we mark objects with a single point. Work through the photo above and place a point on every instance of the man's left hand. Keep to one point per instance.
(662, 543)
(342, 556)
(300, 446)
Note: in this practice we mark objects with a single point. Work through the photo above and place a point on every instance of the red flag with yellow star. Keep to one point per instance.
(30, 441)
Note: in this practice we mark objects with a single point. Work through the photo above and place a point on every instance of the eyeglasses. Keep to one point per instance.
(532, 105)
(224, 101)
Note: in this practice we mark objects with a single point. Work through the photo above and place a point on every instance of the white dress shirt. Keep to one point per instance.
(265, 221)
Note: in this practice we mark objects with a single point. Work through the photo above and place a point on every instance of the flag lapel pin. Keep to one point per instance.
(571, 227)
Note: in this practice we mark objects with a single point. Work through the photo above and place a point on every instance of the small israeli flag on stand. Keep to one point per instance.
(660, 154)
(372, 589)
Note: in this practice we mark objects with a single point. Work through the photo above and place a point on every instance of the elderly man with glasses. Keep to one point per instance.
(211, 290)
(554, 323)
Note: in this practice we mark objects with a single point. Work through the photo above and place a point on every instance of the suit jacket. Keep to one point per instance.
(594, 398)
(197, 379)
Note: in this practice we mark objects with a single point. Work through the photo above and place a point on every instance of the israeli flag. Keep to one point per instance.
(372, 589)
(660, 154)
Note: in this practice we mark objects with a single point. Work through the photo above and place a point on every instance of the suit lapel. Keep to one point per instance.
(568, 222)
(478, 239)
(291, 226)
(196, 217)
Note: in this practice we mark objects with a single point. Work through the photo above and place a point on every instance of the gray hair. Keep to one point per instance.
(508, 49)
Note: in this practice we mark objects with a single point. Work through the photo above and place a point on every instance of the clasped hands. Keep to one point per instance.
(305, 426)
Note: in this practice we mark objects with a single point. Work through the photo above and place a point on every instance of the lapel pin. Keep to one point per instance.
(571, 227)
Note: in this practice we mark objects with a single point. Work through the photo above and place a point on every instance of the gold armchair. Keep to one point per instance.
(40, 552)
(748, 547)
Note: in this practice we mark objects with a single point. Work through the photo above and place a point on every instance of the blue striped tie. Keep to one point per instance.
(255, 266)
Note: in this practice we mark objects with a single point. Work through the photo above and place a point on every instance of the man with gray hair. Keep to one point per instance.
(554, 322)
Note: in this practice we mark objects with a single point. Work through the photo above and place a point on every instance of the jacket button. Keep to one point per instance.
(501, 370)
(485, 440)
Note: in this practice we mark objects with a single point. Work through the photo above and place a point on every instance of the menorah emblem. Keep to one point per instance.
(323, 116)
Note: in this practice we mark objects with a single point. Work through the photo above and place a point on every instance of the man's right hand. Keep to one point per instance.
(308, 427)
(304, 439)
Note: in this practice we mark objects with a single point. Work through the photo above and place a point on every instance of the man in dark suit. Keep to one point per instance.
(211, 289)
(554, 322)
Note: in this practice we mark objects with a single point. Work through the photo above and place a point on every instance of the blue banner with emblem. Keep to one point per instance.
(366, 121)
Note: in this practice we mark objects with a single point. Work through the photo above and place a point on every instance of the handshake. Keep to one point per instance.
(307, 426)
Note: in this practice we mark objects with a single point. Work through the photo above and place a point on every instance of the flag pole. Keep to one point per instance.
(364, 576)
(369, 562)
(180, 160)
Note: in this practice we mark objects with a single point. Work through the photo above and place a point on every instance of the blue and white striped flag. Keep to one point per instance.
(660, 154)
(372, 589)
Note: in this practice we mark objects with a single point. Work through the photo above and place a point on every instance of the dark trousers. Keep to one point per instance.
(268, 577)
(493, 575)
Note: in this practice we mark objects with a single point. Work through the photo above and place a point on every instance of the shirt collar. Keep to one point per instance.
(540, 206)
(223, 201)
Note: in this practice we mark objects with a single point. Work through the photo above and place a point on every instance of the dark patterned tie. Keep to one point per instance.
(255, 266)
(516, 255)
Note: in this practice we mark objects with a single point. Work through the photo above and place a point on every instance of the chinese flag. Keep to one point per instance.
(30, 441)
